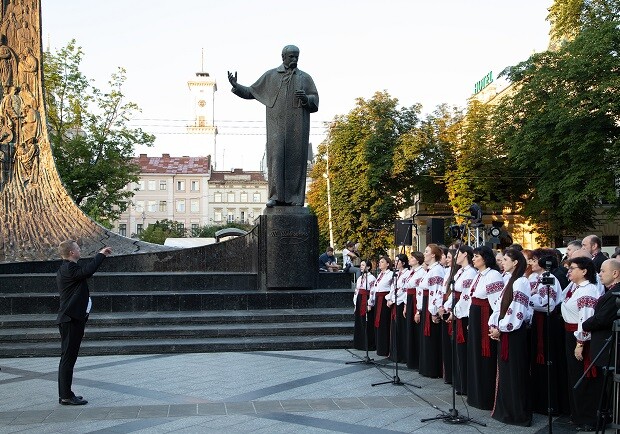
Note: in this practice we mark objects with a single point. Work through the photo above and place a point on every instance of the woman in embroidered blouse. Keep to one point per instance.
(577, 306)
(539, 347)
(416, 259)
(395, 300)
(507, 325)
(462, 283)
(380, 289)
(429, 299)
(446, 327)
(364, 318)
(481, 350)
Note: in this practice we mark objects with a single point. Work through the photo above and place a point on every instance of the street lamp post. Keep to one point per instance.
(329, 202)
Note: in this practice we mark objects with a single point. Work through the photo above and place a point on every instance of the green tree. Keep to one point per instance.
(365, 193)
(91, 140)
(562, 129)
(481, 171)
(160, 230)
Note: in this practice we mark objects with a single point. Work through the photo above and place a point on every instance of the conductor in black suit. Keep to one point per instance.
(75, 305)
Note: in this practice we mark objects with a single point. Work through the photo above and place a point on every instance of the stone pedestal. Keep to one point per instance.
(288, 248)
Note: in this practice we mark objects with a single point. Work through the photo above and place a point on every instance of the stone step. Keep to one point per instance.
(166, 346)
(144, 281)
(156, 281)
(186, 317)
(184, 331)
(162, 301)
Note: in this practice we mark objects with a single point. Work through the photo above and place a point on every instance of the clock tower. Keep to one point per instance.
(202, 89)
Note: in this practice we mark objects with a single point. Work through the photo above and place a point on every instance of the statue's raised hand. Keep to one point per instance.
(232, 79)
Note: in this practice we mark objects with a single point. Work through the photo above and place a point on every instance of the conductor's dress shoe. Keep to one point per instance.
(76, 400)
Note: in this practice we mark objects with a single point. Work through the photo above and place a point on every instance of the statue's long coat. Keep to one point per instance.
(288, 129)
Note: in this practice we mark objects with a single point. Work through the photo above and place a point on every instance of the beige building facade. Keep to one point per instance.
(188, 191)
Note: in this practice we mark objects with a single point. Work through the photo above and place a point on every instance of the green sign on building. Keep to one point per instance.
(486, 80)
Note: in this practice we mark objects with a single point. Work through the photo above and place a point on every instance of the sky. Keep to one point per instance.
(419, 51)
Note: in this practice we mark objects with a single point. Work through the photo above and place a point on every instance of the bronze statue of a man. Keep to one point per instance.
(289, 96)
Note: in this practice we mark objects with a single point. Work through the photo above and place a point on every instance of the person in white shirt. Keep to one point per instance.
(429, 299)
(539, 345)
(485, 291)
(380, 289)
(416, 259)
(462, 283)
(507, 325)
(395, 300)
(577, 306)
(364, 318)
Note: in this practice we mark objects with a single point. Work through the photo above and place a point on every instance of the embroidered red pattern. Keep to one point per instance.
(494, 287)
(520, 298)
(586, 301)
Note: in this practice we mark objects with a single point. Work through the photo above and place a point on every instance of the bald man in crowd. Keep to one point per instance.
(605, 312)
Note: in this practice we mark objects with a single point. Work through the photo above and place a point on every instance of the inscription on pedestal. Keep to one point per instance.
(288, 250)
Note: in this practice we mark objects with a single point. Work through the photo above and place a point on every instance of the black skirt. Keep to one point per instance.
(398, 335)
(430, 344)
(364, 327)
(382, 328)
(413, 335)
(446, 352)
(481, 370)
(512, 396)
(460, 378)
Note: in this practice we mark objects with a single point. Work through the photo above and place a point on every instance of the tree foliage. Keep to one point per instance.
(160, 230)
(562, 128)
(91, 140)
(365, 193)
(481, 171)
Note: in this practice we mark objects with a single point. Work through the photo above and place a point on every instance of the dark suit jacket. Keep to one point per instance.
(73, 288)
(600, 324)
(598, 261)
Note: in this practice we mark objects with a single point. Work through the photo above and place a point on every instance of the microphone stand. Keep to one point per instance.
(366, 360)
(394, 347)
(452, 415)
(549, 361)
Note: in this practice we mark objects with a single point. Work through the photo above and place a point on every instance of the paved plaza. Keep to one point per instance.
(259, 392)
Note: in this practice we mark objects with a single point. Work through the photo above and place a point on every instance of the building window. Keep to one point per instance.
(256, 197)
(231, 197)
(181, 226)
(194, 205)
(610, 240)
(217, 197)
(163, 185)
(163, 206)
(140, 185)
(139, 206)
(195, 186)
(242, 216)
(152, 206)
(152, 185)
(195, 229)
(181, 205)
(231, 217)
(122, 229)
(180, 185)
(244, 197)
(139, 228)
(217, 216)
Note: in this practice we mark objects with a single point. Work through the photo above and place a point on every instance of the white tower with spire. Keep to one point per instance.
(202, 89)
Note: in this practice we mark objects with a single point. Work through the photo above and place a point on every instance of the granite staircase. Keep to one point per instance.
(141, 313)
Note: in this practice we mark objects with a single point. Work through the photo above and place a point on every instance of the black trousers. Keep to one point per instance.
(71, 334)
